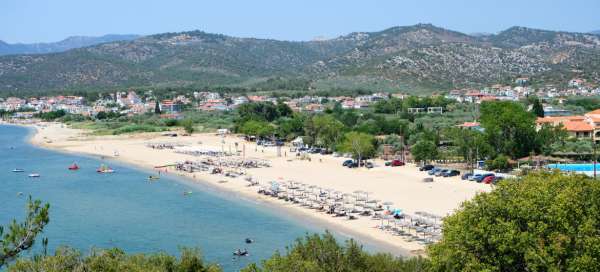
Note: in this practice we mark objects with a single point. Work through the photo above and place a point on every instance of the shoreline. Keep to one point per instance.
(57, 137)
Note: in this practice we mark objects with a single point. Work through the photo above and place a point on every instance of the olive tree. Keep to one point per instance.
(359, 144)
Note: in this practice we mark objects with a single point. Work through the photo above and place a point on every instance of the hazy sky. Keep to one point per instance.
(52, 20)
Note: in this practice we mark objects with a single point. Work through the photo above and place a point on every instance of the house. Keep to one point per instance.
(522, 81)
(576, 82)
(171, 106)
(580, 127)
(240, 100)
(471, 126)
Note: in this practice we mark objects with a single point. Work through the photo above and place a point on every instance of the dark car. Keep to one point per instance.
(466, 176)
(426, 167)
(480, 178)
(325, 151)
(397, 163)
(347, 162)
(451, 173)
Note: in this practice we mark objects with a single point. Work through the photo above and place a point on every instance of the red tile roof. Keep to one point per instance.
(578, 126)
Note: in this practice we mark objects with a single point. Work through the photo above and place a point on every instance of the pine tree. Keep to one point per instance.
(157, 108)
(538, 108)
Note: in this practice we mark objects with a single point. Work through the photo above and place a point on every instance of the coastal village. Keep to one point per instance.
(586, 126)
(135, 103)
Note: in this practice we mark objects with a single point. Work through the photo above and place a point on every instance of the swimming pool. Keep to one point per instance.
(583, 168)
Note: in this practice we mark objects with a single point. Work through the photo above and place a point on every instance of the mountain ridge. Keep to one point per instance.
(417, 57)
(68, 43)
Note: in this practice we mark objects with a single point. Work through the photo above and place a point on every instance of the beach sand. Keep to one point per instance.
(401, 185)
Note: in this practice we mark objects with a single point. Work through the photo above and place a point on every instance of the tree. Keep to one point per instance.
(542, 222)
(21, 236)
(470, 144)
(291, 128)
(188, 125)
(283, 110)
(549, 136)
(258, 128)
(538, 108)
(499, 163)
(359, 144)
(324, 253)
(329, 130)
(424, 150)
(68, 259)
(509, 128)
(157, 107)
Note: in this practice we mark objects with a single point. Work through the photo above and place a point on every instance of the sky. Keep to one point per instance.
(52, 20)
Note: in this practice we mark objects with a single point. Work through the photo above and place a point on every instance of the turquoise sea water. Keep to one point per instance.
(124, 210)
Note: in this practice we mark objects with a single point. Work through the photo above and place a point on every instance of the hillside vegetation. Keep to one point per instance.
(421, 57)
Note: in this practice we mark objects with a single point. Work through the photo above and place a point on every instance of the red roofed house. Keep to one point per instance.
(581, 127)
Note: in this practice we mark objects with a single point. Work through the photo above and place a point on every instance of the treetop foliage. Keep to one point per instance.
(542, 222)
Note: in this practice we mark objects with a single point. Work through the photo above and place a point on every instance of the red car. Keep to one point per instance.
(397, 163)
(488, 179)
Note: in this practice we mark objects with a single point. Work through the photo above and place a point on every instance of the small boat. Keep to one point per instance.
(74, 166)
(34, 175)
(186, 193)
(239, 252)
(103, 169)
(153, 178)
(18, 170)
(249, 241)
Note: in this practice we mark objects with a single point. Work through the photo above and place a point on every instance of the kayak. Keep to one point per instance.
(18, 170)
(34, 175)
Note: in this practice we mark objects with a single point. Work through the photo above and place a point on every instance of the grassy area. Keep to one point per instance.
(203, 122)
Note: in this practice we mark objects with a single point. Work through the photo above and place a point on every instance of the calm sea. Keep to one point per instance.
(125, 210)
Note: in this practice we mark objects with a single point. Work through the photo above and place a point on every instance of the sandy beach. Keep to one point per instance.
(401, 185)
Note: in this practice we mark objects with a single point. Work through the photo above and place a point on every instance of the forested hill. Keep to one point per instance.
(419, 57)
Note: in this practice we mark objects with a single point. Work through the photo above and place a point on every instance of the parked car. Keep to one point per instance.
(482, 177)
(324, 151)
(347, 162)
(466, 176)
(426, 167)
(488, 179)
(369, 165)
(451, 173)
(440, 173)
(474, 176)
(434, 171)
(397, 163)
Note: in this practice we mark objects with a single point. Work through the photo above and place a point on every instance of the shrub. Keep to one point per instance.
(544, 222)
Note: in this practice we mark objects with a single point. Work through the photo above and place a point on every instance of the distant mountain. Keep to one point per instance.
(61, 46)
(597, 32)
(415, 58)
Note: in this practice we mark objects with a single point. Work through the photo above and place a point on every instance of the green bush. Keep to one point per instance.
(543, 222)
(324, 253)
(68, 259)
